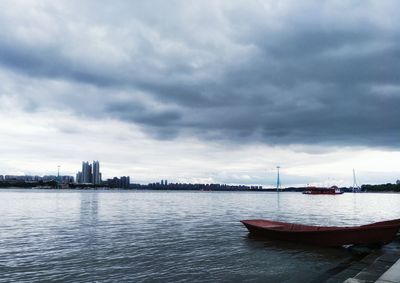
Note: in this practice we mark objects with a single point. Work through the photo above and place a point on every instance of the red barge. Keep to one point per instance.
(380, 233)
(323, 191)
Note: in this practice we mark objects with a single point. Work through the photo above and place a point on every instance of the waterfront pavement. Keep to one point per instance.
(392, 275)
(380, 265)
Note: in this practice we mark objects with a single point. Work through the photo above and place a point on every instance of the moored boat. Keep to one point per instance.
(323, 191)
(380, 233)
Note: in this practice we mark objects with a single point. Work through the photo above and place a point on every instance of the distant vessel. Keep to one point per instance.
(376, 233)
(323, 191)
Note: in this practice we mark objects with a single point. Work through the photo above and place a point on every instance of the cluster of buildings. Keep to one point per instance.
(122, 182)
(31, 178)
(90, 176)
(163, 185)
(90, 173)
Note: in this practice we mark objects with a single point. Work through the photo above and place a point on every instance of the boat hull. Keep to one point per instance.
(322, 193)
(377, 233)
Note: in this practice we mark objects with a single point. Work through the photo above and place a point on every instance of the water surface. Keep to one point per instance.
(148, 236)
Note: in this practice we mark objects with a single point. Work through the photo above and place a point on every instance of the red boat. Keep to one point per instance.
(377, 233)
(323, 191)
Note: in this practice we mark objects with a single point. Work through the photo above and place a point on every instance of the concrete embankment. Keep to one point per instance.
(379, 265)
(392, 275)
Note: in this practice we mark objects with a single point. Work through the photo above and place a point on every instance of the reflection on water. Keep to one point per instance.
(89, 218)
(89, 209)
(294, 248)
(81, 236)
(278, 203)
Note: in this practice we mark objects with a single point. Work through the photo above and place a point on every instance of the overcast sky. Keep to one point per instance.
(202, 91)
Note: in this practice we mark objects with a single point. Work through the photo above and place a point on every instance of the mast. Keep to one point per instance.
(355, 187)
(278, 181)
(58, 177)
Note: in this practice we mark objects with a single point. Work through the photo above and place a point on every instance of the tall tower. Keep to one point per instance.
(58, 177)
(278, 180)
(355, 187)
(79, 179)
(96, 178)
(86, 172)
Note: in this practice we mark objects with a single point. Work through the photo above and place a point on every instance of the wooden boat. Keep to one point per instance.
(380, 233)
(323, 191)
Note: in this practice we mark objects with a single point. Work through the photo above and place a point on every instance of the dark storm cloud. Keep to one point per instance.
(157, 122)
(277, 73)
(50, 63)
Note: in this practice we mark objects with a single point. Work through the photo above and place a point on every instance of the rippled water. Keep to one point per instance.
(131, 236)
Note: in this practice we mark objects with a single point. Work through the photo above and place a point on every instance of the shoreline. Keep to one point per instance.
(291, 190)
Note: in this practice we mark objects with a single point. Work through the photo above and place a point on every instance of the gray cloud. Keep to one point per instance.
(276, 73)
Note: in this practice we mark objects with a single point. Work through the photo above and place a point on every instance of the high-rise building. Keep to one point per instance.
(79, 178)
(86, 172)
(122, 182)
(125, 181)
(96, 176)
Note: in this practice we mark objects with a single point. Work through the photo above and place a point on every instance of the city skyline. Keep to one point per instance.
(205, 92)
(90, 173)
(89, 178)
